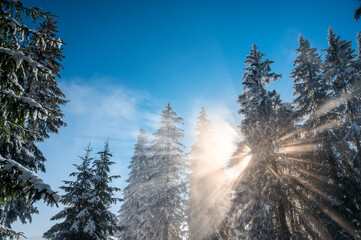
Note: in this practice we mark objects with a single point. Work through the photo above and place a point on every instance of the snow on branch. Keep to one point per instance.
(11, 234)
(27, 100)
(19, 57)
(21, 182)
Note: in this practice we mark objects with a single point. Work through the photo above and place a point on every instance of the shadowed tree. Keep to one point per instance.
(260, 204)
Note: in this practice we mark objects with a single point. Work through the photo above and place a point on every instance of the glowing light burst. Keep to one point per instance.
(245, 161)
(235, 171)
(212, 176)
(294, 148)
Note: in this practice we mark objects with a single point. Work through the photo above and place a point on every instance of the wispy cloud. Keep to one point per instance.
(98, 110)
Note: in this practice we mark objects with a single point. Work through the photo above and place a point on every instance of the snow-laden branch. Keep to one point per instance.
(19, 57)
(27, 100)
(16, 26)
(11, 234)
(28, 180)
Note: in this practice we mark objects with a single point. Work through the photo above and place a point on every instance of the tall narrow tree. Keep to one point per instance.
(259, 207)
(310, 87)
(341, 144)
(165, 202)
(204, 215)
(101, 222)
(312, 92)
(131, 214)
(78, 204)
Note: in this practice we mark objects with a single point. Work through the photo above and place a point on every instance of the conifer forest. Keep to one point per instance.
(294, 171)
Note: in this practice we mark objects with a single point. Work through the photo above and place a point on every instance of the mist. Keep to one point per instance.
(211, 179)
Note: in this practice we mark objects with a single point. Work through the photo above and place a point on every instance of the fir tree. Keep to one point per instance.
(341, 215)
(87, 201)
(165, 205)
(130, 214)
(321, 207)
(203, 217)
(101, 223)
(29, 96)
(260, 205)
(342, 70)
(312, 91)
(310, 87)
(77, 201)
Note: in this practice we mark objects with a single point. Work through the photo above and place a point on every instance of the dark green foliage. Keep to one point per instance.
(87, 201)
(260, 201)
(29, 96)
(76, 200)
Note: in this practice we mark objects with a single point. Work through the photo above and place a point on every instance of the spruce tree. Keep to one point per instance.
(324, 182)
(312, 92)
(165, 204)
(29, 96)
(101, 223)
(340, 146)
(77, 201)
(310, 87)
(260, 203)
(341, 69)
(203, 217)
(131, 214)
(87, 201)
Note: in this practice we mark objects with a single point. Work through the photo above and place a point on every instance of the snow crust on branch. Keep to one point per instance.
(27, 176)
(19, 57)
(27, 100)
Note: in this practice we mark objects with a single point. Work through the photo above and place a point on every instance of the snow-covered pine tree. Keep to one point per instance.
(202, 215)
(77, 201)
(164, 212)
(28, 61)
(311, 91)
(259, 204)
(310, 87)
(29, 95)
(341, 145)
(342, 70)
(321, 176)
(101, 223)
(130, 214)
(87, 201)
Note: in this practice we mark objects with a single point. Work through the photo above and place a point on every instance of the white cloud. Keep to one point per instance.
(97, 110)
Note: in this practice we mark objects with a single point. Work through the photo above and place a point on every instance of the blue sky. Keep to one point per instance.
(126, 59)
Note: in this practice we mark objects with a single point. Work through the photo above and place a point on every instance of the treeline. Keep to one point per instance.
(303, 178)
